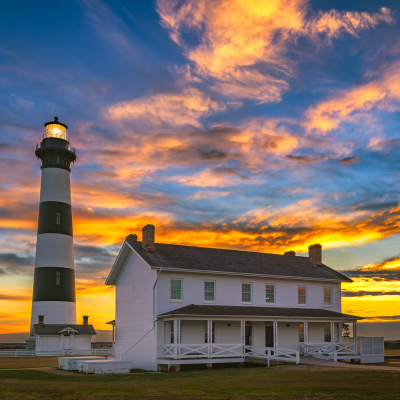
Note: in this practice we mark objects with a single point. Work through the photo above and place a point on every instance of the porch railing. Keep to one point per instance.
(272, 353)
(215, 350)
(329, 351)
(106, 351)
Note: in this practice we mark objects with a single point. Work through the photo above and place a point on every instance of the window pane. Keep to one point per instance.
(327, 296)
(302, 295)
(246, 292)
(301, 332)
(269, 293)
(327, 332)
(58, 218)
(58, 278)
(176, 289)
(209, 291)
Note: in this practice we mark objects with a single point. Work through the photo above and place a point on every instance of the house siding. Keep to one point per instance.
(228, 291)
(134, 314)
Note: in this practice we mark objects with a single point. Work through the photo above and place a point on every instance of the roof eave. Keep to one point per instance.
(200, 271)
(118, 264)
(256, 316)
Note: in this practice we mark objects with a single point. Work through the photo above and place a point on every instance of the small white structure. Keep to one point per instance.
(62, 338)
(371, 349)
(191, 305)
(70, 363)
(102, 367)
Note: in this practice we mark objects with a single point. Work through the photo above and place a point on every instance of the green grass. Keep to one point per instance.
(281, 382)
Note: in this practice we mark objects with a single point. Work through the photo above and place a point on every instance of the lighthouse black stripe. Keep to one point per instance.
(54, 284)
(55, 217)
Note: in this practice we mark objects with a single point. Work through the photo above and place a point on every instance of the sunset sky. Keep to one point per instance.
(244, 124)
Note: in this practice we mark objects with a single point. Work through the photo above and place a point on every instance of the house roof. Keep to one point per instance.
(248, 311)
(204, 259)
(54, 329)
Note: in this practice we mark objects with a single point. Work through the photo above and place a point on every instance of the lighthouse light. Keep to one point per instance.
(56, 131)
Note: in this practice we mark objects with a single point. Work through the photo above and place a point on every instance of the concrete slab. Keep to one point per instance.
(70, 363)
(330, 363)
(102, 367)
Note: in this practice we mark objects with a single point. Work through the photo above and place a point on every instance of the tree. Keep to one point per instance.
(345, 330)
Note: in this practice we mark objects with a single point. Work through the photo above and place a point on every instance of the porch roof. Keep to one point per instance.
(55, 329)
(249, 311)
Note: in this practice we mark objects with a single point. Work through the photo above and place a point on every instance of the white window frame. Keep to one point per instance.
(170, 290)
(251, 292)
(298, 304)
(265, 289)
(323, 294)
(204, 290)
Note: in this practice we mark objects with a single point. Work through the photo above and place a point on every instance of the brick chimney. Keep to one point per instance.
(289, 253)
(315, 253)
(86, 320)
(132, 237)
(148, 234)
(41, 319)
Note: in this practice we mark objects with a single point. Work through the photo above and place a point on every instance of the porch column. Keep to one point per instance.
(276, 333)
(305, 331)
(333, 332)
(355, 336)
(176, 337)
(242, 335)
(209, 337)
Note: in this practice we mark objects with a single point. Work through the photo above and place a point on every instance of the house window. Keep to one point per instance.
(206, 332)
(176, 289)
(302, 295)
(58, 218)
(58, 278)
(58, 158)
(327, 333)
(270, 294)
(209, 291)
(327, 296)
(301, 332)
(246, 292)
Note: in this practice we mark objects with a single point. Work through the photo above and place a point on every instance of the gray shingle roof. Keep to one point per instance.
(234, 261)
(54, 329)
(212, 310)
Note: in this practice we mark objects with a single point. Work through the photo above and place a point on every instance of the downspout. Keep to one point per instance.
(154, 317)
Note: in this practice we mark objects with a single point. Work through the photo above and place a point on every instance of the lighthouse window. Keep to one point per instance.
(58, 218)
(58, 278)
(58, 160)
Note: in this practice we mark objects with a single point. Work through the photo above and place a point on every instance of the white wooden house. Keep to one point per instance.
(192, 305)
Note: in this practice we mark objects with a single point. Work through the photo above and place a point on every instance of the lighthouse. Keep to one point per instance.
(53, 299)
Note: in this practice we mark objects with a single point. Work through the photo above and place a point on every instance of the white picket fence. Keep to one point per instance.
(330, 351)
(100, 351)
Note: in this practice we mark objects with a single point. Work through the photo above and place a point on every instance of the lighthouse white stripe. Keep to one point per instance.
(55, 185)
(55, 312)
(54, 250)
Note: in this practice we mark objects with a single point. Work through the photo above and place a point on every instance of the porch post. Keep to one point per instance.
(176, 337)
(305, 331)
(276, 333)
(242, 325)
(355, 336)
(332, 332)
(209, 336)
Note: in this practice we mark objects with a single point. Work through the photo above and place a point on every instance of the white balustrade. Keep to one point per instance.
(109, 351)
(329, 350)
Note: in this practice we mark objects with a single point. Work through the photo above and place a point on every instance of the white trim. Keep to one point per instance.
(265, 294)
(201, 271)
(306, 303)
(251, 292)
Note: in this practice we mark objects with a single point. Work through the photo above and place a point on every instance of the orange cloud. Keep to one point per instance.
(237, 37)
(350, 105)
(185, 108)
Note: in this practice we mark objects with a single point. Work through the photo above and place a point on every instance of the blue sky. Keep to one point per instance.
(257, 125)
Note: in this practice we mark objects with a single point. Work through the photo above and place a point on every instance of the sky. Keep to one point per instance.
(243, 124)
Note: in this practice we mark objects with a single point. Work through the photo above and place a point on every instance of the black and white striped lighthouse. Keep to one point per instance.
(54, 282)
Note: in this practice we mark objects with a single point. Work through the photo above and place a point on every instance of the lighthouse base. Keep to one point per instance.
(54, 312)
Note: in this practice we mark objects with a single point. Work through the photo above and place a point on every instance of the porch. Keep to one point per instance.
(185, 340)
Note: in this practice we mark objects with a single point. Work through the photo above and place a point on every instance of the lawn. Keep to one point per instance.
(392, 352)
(28, 362)
(281, 382)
